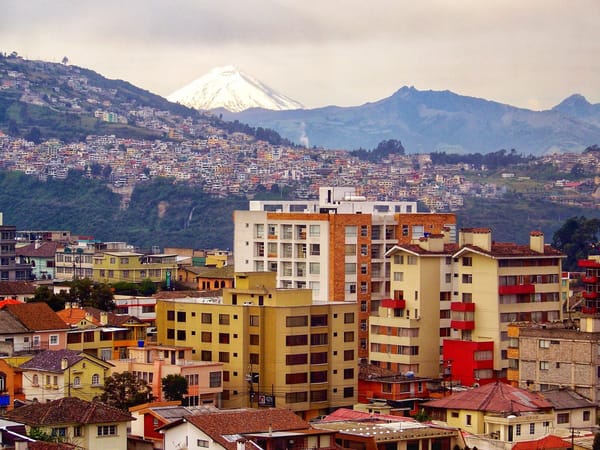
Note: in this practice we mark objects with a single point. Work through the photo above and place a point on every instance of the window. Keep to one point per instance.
(398, 259)
(348, 355)
(301, 339)
(206, 336)
(314, 268)
(292, 360)
(223, 338)
(314, 230)
(95, 379)
(544, 343)
(467, 261)
(181, 335)
(206, 355)
(54, 339)
(518, 429)
(318, 339)
(467, 278)
(348, 336)
(318, 358)
(348, 392)
(170, 315)
(296, 321)
(468, 419)
(562, 418)
(349, 374)
(254, 339)
(544, 365)
(206, 318)
(215, 379)
(318, 320)
(318, 396)
(411, 260)
(77, 431)
(296, 397)
(254, 321)
(318, 377)
(224, 357)
(398, 276)
(350, 268)
(180, 316)
(223, 319)
(351, 231)
(350, 249)
(349, 317)
(77, 382)
(296, 378)
(202, 443)
(107, 430)
(586, 416)
(532, 428)
(59, 431)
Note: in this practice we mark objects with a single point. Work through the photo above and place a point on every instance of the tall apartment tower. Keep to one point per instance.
(10, 270)
(452, 304)
(334, 246)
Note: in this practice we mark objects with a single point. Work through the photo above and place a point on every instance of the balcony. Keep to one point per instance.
(590, 295)
(589, 279)
(588, 263)
(394, 304)
(516, 289)
(462, 307)
(462, 324)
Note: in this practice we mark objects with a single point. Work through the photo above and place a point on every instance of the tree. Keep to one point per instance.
(124, 390)
(596, 443)
(148, 287)
(174, 387)
(65, 60)
(577, 238)
(46, 295)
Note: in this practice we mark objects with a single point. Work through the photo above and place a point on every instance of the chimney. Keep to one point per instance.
(478, 237)
(536, 241)
(103, 318)
(432, 243)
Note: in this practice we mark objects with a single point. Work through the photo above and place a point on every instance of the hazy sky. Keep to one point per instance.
(529, 53)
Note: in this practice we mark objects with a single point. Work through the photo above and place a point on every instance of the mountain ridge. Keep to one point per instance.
(431, 120)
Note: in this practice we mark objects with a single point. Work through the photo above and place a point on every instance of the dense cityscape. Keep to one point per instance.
(353, 311)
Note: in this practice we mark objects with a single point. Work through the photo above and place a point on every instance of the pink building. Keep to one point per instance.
(154, 362)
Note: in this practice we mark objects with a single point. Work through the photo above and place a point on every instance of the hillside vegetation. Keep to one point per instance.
(164, 213)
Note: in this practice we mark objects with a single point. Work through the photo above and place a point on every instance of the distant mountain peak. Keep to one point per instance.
(574, 101)
(230, 88)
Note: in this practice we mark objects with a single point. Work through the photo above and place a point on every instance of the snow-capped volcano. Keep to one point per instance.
(227, 87)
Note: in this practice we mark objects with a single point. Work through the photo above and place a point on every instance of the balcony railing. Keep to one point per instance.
(395, 304)
(590, 295)
(589, 279)
(463, 307)
(462, 324)
(517, 289)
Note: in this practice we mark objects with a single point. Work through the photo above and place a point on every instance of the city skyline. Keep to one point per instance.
(530, 55)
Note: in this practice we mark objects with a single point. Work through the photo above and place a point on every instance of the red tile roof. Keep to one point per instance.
(8, 288)
(43, 250)
(37, 316)
(343, 414)
(67, 410)
(494, 397)
(549, 442)
(216, 425)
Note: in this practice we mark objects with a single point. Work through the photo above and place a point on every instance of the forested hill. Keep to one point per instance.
(164, 213)
(160, 212)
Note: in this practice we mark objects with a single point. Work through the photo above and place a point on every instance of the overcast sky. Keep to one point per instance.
(528, 53)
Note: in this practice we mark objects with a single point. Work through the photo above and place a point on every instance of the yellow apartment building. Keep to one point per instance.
(405, 335)
(278, 348)
(464, 296)
(112, 267)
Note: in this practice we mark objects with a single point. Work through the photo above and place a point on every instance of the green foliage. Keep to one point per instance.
(174, 387)
(88, 293)
(158, 214)
(382, 151)
(40, 435)
(147, 287)
(46, 295)
(421, 416)
(596, 443)
(514, 216)
(577, 238)
(492, 161)
(124, 390)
